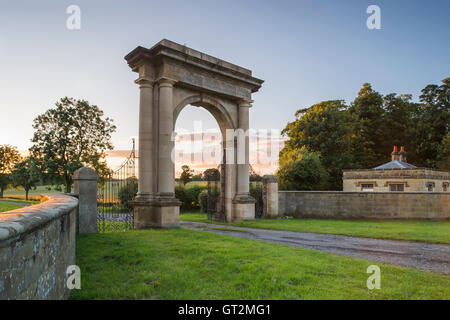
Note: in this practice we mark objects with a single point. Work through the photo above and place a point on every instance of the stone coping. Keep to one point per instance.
(362, 192)
(24, 220)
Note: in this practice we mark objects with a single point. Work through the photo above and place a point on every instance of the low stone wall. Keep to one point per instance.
(365, 205)
(37, 244)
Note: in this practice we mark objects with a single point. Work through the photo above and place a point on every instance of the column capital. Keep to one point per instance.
(245, 103)
(166, 82)
(145, 82)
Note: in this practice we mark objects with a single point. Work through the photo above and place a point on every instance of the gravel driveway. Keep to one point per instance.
(408, 254)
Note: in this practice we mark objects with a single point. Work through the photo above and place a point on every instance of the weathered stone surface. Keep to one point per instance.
(172, 76)
(270, 196)
(414, 180)
(365, 205)
(36, 247)
(85, 187)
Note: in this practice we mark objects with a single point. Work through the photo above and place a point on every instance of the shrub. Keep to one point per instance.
(256, 191)
(301, 170)
(203, 200)
(189, 196)
(128, 192)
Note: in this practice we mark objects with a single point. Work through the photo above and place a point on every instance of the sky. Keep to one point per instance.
(306, 51)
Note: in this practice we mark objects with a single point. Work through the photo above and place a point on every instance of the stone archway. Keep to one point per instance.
(172, 76)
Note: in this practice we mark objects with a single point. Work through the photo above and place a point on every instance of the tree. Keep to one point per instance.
(327, 128)
(186, 174)
(26, 175)
(197, 177)
(69, 136)
(400, 125)
(444, 153)
(211, 174)
(9, 157)
(301, 170)
(128, 192)
(370, 131)
(433, 122)
(254, 177)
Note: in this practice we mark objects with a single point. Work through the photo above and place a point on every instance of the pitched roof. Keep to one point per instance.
(395, 164)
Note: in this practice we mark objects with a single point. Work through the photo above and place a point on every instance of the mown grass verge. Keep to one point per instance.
(189, 264)
(425, 231)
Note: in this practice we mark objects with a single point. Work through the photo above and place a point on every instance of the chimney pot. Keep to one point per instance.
(395, 154)
(402, 154)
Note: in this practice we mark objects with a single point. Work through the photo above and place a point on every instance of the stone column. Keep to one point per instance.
(145, 189)
(270, 196)
(243, 184)
(85, 187)
(244, 204)
(166, 174)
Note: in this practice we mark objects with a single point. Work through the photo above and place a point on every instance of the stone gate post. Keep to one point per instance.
(270, 196)
(85, 187)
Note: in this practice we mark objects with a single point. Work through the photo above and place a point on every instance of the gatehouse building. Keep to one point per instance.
(396, 176)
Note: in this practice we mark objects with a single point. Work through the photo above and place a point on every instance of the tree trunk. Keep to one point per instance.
(68, 184)
(26, 194)
(1, 192)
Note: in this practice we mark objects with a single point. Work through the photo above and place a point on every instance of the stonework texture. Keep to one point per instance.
(170, 77)
(365, 205)
(37, 244)
(270, 196)
(417, 179)
(85, 187)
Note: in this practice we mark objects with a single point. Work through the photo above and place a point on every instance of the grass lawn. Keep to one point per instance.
(19, 200)
(7, 207)
(189, 264)
(426, 231)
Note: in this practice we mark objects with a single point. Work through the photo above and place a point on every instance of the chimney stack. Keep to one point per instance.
(395, 154)
(402, 154)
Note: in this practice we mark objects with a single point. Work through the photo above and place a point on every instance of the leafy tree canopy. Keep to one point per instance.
(211, 174)
(26, 175)
(186, 174)
(71, 135)
(362, 134)
(300, 169)
(9, 157)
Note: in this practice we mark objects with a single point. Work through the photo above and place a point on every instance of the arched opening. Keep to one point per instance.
(198, 140)
(199, 133)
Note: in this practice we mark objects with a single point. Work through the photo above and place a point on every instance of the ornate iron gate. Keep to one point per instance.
(215, 203)
(256, 191)
(212, 199)
(114, 195)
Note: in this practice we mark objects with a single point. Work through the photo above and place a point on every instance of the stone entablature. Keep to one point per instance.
(193, 69)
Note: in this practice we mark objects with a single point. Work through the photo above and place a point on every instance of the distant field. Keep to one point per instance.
(7, 207)
(20, 193)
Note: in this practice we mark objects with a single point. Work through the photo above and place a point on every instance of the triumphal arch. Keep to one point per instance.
(172, 76)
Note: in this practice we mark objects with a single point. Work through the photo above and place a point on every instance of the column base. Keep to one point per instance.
(156, 213)
(244, 208)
